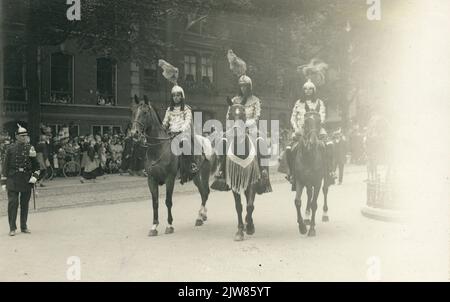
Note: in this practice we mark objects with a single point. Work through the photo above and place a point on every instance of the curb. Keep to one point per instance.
(382, 214)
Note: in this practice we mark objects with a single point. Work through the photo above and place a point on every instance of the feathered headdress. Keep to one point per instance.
(314, 71)
(237, 65)
(239, 68)
(171, 73)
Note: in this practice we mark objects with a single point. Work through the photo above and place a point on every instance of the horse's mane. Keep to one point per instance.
(157, 115)
(156, 119)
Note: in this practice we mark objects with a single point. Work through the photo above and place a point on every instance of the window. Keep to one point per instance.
(106, 81)
(61, 75)
(190, 69)
(117, 130)
(74, 130)
(13, 68)
(134, 79)
(207, 71)
(106, 129)
(96, 130)
(150, 77)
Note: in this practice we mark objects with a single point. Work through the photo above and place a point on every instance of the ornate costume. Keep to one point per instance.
(244, 174)
(301, 107)
(178, 119)
(252, 108)
(314, 72)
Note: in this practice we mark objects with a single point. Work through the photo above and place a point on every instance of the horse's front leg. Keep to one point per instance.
(240, 233)
(309, 194)
(298, 205)
(250, 194)
(204, 192)
(154, 189)
(170, 183)
(312, 230)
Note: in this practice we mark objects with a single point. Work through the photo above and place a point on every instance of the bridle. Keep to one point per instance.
(147, 145)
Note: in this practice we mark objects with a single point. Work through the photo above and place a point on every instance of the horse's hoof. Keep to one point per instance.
(250, 229)
(307, 221)
(325, 219)
(239, 236)
(311, 232)
(153, 233)
(198, 222)
(302, 228)
(169, 230)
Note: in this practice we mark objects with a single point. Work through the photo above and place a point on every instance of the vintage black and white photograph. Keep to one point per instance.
(224, 141)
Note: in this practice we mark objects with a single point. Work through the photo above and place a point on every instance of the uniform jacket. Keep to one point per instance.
(252, 108)
(18, 167)
(178, 120)
(300, 108)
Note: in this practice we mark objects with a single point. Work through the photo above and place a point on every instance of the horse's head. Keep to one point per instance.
(312, 122)
(237, 112)
(145, 120)
(312, 127)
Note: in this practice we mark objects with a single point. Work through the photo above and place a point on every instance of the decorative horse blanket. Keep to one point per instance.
(242, 172)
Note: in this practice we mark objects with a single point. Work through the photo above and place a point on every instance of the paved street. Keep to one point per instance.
(112, 243)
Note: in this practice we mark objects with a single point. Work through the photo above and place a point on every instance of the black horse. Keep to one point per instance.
(162, 165)
(313, 160)
(243, 173)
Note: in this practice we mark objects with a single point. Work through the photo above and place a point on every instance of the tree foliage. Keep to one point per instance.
(281, 35)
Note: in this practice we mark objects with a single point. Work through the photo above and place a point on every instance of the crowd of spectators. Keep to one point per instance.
(98, 155)
(95, 155)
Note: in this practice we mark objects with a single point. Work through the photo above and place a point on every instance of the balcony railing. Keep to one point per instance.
(15, 107)
(15, 94)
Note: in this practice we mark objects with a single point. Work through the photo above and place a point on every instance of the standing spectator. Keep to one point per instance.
(101, 155)
(5, 140)
(116, 150)
(91, 162)
(83, 152)
(57, 156)
(339, 153)
(42, 156)
(138, 157)
(127, 154)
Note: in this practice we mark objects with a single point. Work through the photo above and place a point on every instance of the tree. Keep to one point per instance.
(281, 35)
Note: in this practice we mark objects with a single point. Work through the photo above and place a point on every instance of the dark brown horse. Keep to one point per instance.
(162, 165)
(311, 165)
(242, 169)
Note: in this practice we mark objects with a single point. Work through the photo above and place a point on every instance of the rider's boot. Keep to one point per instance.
(290, 163)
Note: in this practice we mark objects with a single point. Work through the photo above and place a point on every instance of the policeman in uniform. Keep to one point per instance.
(20, 171)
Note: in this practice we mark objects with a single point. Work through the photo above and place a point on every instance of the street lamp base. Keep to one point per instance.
(381, 214)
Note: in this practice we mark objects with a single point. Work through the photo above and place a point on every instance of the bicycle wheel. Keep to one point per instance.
(49, 173)
(71, 169)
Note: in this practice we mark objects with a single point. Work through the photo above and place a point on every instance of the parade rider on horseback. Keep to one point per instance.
(178, 118)
(252, 109)
(308, 102)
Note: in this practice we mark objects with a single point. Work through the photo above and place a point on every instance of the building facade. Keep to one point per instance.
(93, 93)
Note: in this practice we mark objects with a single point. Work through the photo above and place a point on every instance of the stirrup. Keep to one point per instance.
(290, 178)
(194, 168)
